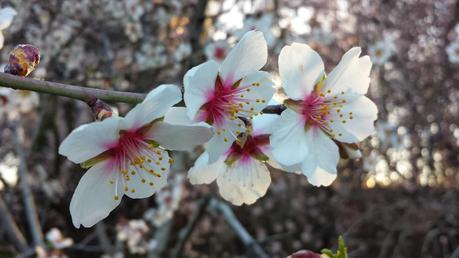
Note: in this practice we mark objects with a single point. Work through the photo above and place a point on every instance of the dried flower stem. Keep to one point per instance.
(254, 249)
(185, 233)
(11, 228)
(105, 242)
(27, 196)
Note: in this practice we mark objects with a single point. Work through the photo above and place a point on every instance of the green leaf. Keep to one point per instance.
(342, 249)
(340, 253)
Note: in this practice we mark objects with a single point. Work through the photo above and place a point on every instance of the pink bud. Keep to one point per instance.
(304, 254)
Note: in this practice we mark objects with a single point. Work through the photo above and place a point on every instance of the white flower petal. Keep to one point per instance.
(147, 181)
(6, 17)
(264, 124)
(154, 106)
(244, 182)
(93, 199)
(296, 168)
(300, 68)
(321, 177)
(179, 137)
(204, 173)
(364, 113)
(249, 55)
(320, 165)
(223, 138)
(91, 139)
(198, 82)
(258, 93)
(178, 132)
(351, 74)
(2, 40)
(288, 139)
(178, 116)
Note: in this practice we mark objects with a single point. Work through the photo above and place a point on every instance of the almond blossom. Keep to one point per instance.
(321, 111)
(241, 173)
(167, 200)
(57, 240)
(127, 155)
(263, 22)
(220, 94)
(381, 51)
(135, 233)
(453, 51)
(217, 50)
(14, 103)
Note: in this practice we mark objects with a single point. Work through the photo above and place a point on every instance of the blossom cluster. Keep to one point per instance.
(325, 115)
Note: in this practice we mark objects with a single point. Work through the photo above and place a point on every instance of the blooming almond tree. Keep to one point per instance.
(220, 94)
(128, 155)
(241, 173)
(321, 109)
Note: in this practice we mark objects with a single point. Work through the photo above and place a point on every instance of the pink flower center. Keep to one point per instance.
(129, 144)
(315, 110)
(219, 53)
(133, 156)
(227, 101)
(248, 147)
(321, 109)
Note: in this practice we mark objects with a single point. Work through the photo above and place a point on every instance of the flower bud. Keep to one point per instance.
(23, 60)
(304, 254)
(100, 109)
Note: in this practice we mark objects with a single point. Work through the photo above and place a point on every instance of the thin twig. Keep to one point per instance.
(11, 229)
(254, 249)
(30, 252)
(29, 204)
(162, 237)
(86, 94)
(103, 238)
(185, 233)
(455, 253)
(71, 91)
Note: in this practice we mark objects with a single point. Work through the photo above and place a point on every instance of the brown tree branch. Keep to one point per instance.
(71, 91)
